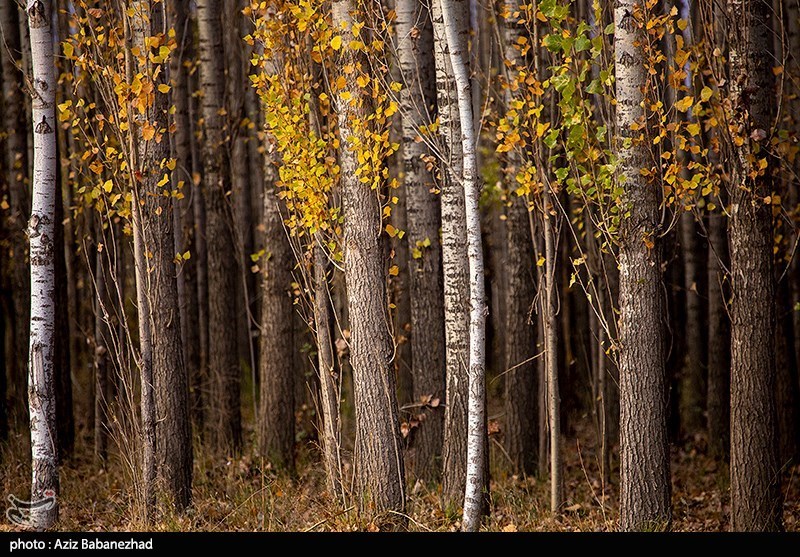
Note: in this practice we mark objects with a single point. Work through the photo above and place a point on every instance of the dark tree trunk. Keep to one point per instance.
(786, 401)
(755, 478)
(199, 383)
(16, 167)
(173, 439)
(65, 419)
(102, 337)
(691, 385)
(185, 234)
(276, 369)
(719, 339)
(519, 345)
(224, 423)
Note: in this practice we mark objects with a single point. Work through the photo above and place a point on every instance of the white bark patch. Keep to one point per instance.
(41, 231)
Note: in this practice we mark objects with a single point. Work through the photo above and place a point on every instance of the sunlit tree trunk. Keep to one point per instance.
(453, 16)
(454, 262)
(41, 234)
(378, 459)
(644, 450)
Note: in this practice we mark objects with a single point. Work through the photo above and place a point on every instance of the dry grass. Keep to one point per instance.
(243, 494)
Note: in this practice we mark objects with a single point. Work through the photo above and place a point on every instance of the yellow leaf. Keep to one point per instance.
(395, 86)
(163, 88)
(706, 93)
(336, 42)
(541, 128)
(107, 186)
(391, 109)
(693, 129)
(68, 49)
(163, 180)
(148, 131)
(391, 230)
(362, 80)
(171, 163)
(394, 270)
(684, 104)
(341, 82)
(540, 262)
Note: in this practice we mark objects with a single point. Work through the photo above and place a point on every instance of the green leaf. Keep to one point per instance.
(552, 42)
(582, 43)
(551, 138)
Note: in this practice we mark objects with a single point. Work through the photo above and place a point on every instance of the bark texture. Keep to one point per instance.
(755, 479)
(520, 335)
(418, 100)
(454, 260)
(644, 450)
(276, 370)
(41, 235)
(224, 423)
(377, 459)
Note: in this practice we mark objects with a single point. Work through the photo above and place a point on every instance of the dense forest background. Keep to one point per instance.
(411, 264)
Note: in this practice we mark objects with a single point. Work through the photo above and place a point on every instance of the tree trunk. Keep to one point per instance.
(755, 478)
(418, 100)
(550, 318)
(377, 459)
(170, 384)
(454, 263)
(786, 402)
(691, 385)
(520, 335)
(16, 163)
(200, 382)
(644, 450)
(719, 347)
(224, 421)
(65, 419)
(329, 377)
(4, 319)
(102, 381)
(454, 21)
(41, 234)
(793, 42)
(185, 235)
(276, 369)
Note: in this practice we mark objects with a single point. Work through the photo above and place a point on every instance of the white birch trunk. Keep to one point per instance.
(455, 273)
(476, 436)
(41, 232)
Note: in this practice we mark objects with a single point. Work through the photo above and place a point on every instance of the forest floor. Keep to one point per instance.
(243, 494)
